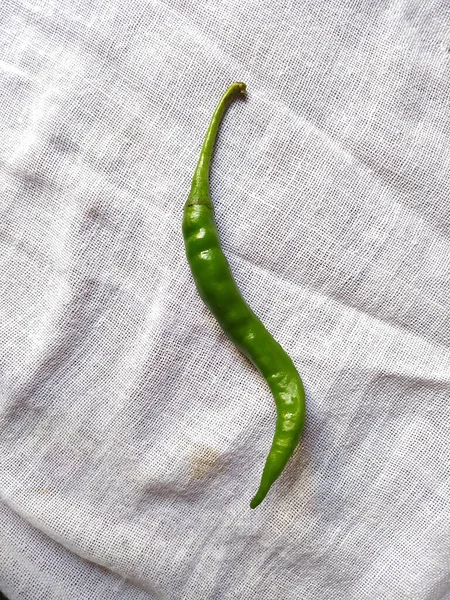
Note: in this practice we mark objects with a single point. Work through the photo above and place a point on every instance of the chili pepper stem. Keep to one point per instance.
(199, 193)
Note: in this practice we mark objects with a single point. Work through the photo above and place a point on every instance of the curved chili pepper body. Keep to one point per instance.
(218, 290)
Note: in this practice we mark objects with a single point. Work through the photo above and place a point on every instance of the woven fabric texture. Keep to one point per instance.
(132, 433)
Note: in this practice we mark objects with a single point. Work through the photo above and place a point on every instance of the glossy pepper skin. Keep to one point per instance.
(218, 290)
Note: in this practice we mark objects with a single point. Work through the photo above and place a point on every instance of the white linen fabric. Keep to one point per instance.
(132, 433)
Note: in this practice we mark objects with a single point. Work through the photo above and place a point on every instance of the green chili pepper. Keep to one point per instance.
(218, 290)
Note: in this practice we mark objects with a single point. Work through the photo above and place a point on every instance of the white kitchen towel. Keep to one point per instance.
(32, 565)
(132, 433)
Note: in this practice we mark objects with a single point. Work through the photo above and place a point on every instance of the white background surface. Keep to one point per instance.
(132, 434)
